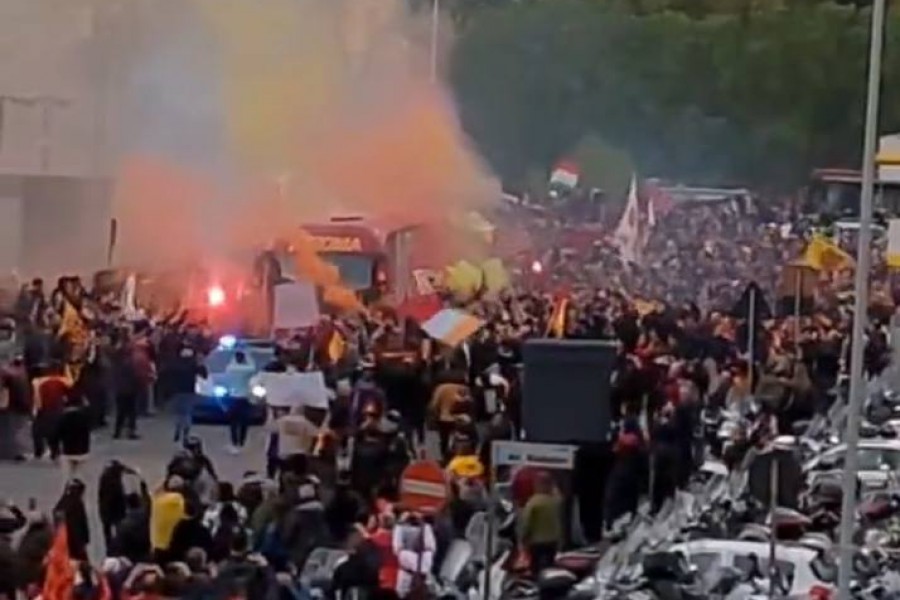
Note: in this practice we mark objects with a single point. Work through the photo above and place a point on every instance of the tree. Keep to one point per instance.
(602, 166)
(758, 92)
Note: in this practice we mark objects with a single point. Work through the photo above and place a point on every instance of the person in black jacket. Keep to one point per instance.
(111, 501)
(75, 427)
(71, 510)
(11, 520)
(245, 575)
(132, 536)
(182, 377)
(190, 533)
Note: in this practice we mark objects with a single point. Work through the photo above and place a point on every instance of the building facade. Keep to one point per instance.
(54, 204)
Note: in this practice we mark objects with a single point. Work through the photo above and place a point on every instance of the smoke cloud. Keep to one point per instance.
(243, 119)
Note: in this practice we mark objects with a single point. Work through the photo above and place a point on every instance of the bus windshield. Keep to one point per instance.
(840, 198)
(356, 270)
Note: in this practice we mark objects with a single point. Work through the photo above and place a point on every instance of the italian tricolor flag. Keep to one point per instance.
(565, 174)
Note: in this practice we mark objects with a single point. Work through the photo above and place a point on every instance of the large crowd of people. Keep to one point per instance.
(331, 479)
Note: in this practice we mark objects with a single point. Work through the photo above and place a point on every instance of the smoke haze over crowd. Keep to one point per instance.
(243, 119)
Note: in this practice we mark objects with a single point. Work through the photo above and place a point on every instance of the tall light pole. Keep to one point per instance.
(435, 28)
(860, 304)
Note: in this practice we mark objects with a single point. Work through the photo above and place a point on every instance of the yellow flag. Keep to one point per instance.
(463, 279)
(496, 278)
(556, 326)
(824, 255)
(336, 346)
(72, 324)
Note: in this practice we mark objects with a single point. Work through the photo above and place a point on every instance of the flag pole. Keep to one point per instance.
(773, 509)
(435, 28)
(798, 302)
(751, 334)
(860, 304)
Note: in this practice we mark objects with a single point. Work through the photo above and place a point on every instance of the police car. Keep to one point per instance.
(225, 382)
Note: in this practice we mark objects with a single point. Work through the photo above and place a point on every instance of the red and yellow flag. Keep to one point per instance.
(60, 574)
(556, 325)
(337, 346)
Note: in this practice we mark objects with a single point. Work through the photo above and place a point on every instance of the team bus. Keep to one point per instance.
(372, 262)
(835, 194)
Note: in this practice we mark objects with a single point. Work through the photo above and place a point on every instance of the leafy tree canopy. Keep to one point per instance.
(718, 91)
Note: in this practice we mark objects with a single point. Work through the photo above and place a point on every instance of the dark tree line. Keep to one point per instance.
(754, 92)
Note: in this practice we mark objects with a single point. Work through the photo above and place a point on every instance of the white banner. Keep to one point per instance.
(295, 306)
(287, 390)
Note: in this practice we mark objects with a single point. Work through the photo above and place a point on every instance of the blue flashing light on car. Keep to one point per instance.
(220, 391)
(227, 342)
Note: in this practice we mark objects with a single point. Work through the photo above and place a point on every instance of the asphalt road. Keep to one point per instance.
(43, 480)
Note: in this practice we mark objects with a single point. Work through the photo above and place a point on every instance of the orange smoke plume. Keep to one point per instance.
(159, 207)
(310, 266)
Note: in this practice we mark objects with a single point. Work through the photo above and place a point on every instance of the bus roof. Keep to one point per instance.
(838, 175)
(845, 176)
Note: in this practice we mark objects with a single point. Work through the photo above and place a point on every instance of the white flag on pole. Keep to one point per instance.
(627, 236)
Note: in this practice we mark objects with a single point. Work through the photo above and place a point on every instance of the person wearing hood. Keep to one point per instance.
(71, 510)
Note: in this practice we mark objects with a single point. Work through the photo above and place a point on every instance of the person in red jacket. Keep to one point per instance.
(50, 395)
(382, 537)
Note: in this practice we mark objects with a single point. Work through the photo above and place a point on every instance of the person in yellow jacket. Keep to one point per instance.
(166, 511)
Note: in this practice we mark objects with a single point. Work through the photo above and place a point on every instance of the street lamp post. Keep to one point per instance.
(860, 305)
(435, 27)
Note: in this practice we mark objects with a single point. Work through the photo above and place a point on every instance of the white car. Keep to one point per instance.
(879, 462)
(802, 569)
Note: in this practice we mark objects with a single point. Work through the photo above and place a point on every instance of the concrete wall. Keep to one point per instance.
(52, 219)
(51, 226)
(47, 88)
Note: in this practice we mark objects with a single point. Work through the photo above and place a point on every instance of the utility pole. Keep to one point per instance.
(860, 305)
(435, 30)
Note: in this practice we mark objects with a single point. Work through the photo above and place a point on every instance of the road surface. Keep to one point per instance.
(43, 480)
